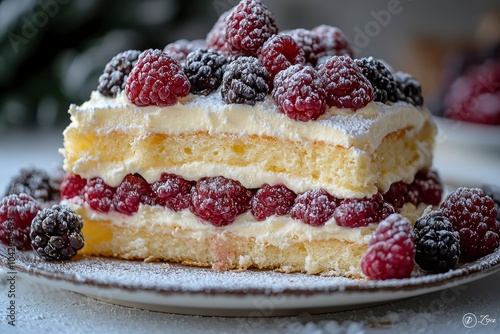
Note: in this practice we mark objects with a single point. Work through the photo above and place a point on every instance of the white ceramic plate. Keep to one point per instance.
(487, 136)
(189, 290)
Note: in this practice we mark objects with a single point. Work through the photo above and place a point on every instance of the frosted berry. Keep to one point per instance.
(219, 200)
(473, 215)
(172, 191)
(156, 79)
(299, 93)
(98, 195)
(272, 200)
(16, 213)
(334, 40)
(360, 212)
(409, 89)
(494, 192)
(427, 188)
(391, 252)
(314, 207)
(132, 192)
(397, 194)
(34, 182)
(114, 78)
(179, 49)
(216, 37)
(56, 233)
(437, 244)
(345, 85)
(249, 25)
(205, 69)
(309, 42)
(380, 77)
(72, 186)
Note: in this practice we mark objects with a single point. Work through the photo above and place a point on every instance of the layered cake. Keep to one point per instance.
(250, 149)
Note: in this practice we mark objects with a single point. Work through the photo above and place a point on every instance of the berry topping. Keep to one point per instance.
(36, 183)
(473, 215)
(216, 37)
(172, 191)
(249, 25)
(114, 78)
(409, 89)
(156, 79)
(205, 69)
(272, 200)
(245, 81)
(437, 245)
(72, 186)
(380, 77)
(426, 188)
(16, 214)
(391, 252)
(345, 85)
(279, 53)
(396, 195)
(299, 93)
(494, 193)
(56, 233)
(98, 195)
(334, 40)
(309, 42)
(359, 212)
(132, 192)
(219, 200)
(179, 49)
(314, 207)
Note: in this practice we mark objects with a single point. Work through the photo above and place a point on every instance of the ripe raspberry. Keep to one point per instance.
(249, 25)
(408, 88)
(334, 40)
(219, 200)
(156, 79)
(494, 193)
(397, 194)
(16, 213)
(72, 186)
(172, 191)
(299, 93)
(56, 233)
(279, 53)
(245, 81)
(309, 42)
(205, 69)
(114, 78)
(360, 212)
(391, 252)
(345, 85)
(473, 215)
(216, 37)
(272, 200)
(98, 195)
(437, 245)
(384, 86)
(427, 187)
(314, 207)
(34, 182)
(179, 49)
(132, 192)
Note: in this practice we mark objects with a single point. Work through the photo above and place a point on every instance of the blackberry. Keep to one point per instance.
(36, 183)
(494, 193)
(408, 88)
(245, 81)
(437, 244)
(116, 72)
(55, 233)
(384, 85)
(204, 69)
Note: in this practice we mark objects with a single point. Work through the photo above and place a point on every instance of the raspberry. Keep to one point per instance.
(205, 69)
(56, 233)
(34, 182)
(334, 40)
(380, 77)
(391, 252)
(314, 207)
(156, 79)
(437, 245)
(172, 191)
(272, 200)
(132, 192)
(473, 215)
(409, 88)
(179, 49)
(16, 213)
(114, 78)
(98, 195)
(494, 193)
(279, 53)
(219, 200)
(360, 212)
(427, 187)
(345, 85)
(397, 194)
(309, 42)
(216, 37)
(245, 81)
(299, 93)
(248, 27)
(72, 186)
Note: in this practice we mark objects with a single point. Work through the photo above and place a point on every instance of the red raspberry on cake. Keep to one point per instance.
(392, 250)
(360, 212)
(299, 93)
(345, 85)
(156, 79)
(172, 191)
(249, 25)
(179, 49)
(334, 40)
(216, 37)
(314, 207)
(272, 200)
(72, 186)
(132, 192)
(309, 42)
(397, 194)
(98, 195)
(426, 188)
